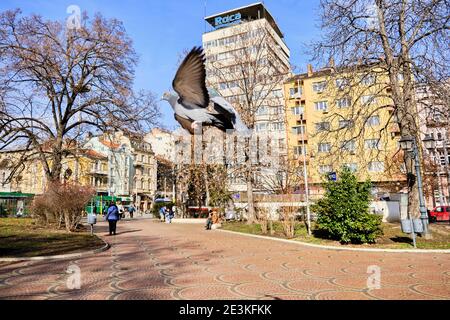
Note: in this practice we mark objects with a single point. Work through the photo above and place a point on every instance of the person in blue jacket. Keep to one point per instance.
(112, 217)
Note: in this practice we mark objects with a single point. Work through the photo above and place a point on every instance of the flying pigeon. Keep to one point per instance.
(192, 98)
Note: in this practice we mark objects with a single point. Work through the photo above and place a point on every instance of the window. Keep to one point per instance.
(344, 102)
(342, 83)
(322, 126)
(299, 130)
(277, 93)
(298, 110)
(295, 93)
(372, 144)
(278, 110)
(319, 86)
(321, 106)
(376, 166)
(345, 124)
(262, 111)
(325, 169)
(233, 84)
(373, 121)
(278, 126)
(260, 127)
(300, 150)
(368, 99)
(352, 166)
(368, 79)
(349, 146)
(324, 147)
(223, 56)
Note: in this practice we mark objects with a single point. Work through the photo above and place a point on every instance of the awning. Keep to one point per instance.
(16, 195)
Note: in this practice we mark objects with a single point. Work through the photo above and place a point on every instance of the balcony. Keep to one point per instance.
(294, 97)
(138, 163)
(143, 190)
(301, 138)
(299, 118)
(300, 159)
(98, 172)
(394, 129)
(101, 188)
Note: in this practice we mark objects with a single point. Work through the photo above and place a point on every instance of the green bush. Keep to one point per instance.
(343, 213)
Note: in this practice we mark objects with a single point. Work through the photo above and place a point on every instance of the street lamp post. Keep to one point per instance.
(408, 144)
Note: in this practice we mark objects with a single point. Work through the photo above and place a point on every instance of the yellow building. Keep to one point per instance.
(344, 118)
(89, 168)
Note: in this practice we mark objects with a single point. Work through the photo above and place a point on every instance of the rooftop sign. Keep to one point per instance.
(224, 21)
(251, 12)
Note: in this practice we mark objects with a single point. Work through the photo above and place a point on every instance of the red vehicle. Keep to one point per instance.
(441, 213)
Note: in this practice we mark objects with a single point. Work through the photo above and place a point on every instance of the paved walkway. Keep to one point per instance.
(152, 260)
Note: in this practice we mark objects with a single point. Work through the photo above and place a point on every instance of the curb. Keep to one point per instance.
(63, 256)
(338, 248)
(189, 221)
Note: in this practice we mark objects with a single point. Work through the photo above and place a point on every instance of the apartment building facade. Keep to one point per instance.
(434, 125)
(131, 166)
(342, 118)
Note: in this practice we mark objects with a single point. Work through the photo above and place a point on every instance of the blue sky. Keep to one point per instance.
(162, 29)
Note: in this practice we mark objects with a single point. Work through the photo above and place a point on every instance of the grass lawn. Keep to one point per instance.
(22, 238)
(393, 237)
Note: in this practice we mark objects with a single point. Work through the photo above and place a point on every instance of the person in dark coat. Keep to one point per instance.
(112, 217)
(209, 221)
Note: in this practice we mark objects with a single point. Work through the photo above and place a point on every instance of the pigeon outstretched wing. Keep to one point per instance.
(222, 106)
(189, 82)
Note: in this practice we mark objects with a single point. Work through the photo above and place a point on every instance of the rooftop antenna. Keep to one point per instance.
(204, 16)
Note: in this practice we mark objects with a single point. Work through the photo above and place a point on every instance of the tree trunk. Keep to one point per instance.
(250, 199)
(205, 177)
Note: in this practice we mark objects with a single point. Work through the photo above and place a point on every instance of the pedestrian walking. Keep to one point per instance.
(162, 214)
(112, 217)
(121, 209)
(209, 221)
(170, 215)
(131, 211)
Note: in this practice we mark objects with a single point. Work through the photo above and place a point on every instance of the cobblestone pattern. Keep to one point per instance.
(152, 260)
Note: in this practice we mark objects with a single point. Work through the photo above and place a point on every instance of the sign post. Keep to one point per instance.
(332, 176)
(92, 219)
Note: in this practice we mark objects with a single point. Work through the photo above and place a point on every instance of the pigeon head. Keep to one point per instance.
(170, 97)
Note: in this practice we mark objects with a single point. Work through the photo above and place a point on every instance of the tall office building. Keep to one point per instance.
(247, 62)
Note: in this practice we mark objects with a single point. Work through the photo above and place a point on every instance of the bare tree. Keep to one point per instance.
(404, 39)
(247, 76)
(57, 83)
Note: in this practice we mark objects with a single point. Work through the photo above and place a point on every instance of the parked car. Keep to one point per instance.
(441, 213)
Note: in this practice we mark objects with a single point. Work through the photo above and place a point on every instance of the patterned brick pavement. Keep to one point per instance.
(152, 260)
